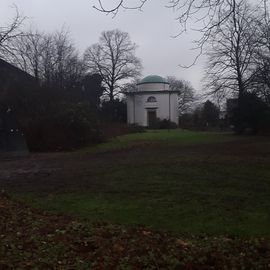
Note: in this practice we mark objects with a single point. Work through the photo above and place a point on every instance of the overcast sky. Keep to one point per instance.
(152, 30)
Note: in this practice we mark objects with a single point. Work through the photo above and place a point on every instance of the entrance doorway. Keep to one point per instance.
(152, 118)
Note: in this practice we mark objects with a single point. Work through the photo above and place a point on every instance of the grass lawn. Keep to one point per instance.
(179, 181)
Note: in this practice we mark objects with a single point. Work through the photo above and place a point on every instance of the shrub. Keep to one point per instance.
(164, 124)
(251, 115)
(64, 127)
(135, 128)
(114, 111)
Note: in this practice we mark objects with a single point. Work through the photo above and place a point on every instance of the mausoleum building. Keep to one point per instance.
(151, 100)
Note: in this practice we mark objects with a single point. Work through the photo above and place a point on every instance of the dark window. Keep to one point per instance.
(151, 99)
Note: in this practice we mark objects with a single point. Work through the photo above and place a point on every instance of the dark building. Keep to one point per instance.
(14, 83)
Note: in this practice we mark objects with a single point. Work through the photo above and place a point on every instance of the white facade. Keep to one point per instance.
(152, 99)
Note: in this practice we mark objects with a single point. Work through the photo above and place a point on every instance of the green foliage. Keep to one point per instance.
(114, 110)
(55, 119)
(163, 124)
(167, 124)
(210, 114)
(135, 128)
(204, 117)
(92, 90)
(60, 122)
(251, 115)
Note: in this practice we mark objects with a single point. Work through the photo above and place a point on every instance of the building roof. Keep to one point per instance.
(153, 79)
(12, 68)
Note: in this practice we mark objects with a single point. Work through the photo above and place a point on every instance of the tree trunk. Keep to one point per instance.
(111, 96)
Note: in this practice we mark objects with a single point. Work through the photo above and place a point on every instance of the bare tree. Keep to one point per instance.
(9, 32)
(27, 52)
(61, 60)
(262, 59)
(51, 58)
(114, 59)
(186, 94)
(206, 15)
(231, 53)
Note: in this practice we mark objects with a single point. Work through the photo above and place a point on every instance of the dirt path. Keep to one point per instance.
(60, 168)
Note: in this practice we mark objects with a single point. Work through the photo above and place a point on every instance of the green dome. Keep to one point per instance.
(153, 79)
